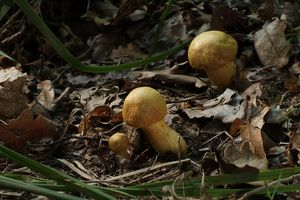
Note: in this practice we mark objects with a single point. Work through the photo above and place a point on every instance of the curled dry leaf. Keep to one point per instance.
(252, 92)
(258, 119)
(100, 114)
(256, 110)
(226, 107)
(271, 45)
(46, 96)
(242, 156)
(253, 135)
(12, 100)
(27, 127)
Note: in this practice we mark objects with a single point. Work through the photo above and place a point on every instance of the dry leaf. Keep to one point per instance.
(294, 143)
(125, 54)
(253, 135)
(241, 156)
(46, 96)
(276, 115)
(252, 92)
(267, 10)
(94, 118)
(271, 45)
(295, 69)
(256, 110)
(236, 127)
(227, 107)
(83, 79)
(27, 127)
(258, 120)
(225, 18)
(12, 100)
(291, 83)
(127, 8)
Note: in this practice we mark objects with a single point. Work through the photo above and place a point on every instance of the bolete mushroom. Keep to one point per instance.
(214, 52)
(145, 108)
(119, 144)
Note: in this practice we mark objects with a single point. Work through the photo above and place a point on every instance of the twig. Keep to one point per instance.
(151, 168)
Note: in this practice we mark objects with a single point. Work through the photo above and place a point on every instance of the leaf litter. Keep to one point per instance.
(249, 127)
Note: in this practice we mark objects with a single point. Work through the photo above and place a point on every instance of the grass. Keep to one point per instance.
(55, 181)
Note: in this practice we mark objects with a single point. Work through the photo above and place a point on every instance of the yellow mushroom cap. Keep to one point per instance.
(211, 50)
(119, 144)
(143, 106)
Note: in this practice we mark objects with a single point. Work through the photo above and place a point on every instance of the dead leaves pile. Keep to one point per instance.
(247, 128)
(21, 122)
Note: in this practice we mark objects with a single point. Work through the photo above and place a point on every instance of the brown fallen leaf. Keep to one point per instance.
(225, 18)
(46, 96)
(267, 10)
(128, 53)
(12, 100)
(236, 127)
(271, 45)
(253, 135)
(27, 127)
(292, 83)
(240, 158)
(227, 107)
(294, 145)
(97, 116)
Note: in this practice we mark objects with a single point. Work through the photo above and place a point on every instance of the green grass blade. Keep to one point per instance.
(161, 21)
(191, 186)
(68, 57)
(4, 8)
(9, 183)
(49, 184)
(54, 174)
(7, 56)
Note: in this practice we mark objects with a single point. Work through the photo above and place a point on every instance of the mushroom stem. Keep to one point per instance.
(222, 77)
(165, 139)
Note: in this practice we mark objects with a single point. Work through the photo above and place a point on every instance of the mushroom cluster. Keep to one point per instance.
(145, 108)
(214, 52)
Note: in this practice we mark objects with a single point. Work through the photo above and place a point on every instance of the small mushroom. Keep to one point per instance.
(214, 52)
(119, 144)
(145, 108)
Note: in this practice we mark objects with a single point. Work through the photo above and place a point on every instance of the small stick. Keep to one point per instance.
(146, 169)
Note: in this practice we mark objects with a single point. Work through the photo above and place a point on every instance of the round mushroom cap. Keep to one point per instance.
(211, 50)
(119, 143)
(143, 107)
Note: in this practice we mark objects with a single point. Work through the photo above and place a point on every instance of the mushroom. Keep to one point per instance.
(145, 108)
(214, 52)
(119, 144)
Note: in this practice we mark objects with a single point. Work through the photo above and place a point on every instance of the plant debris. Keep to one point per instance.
(62, 117)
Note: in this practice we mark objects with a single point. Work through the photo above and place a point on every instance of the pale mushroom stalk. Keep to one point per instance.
(226, 72)
(164, 139)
